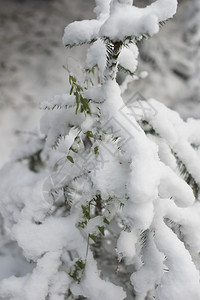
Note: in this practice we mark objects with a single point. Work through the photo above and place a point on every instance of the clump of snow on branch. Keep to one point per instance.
(119, 21)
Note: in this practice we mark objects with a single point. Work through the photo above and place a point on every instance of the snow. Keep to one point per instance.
(52, 235)
(92, 225)
(164, 9)
(124, 21)
(151, 272)
(129, 2)
(58, 123)
(128, 58)
(181, 268)
(102, 7)
(109, 166)
(139, 216)
(171, 185)
(13, 198)
(164, 152)
(31, 60)
(112, 154)
(12, 262)
(126, 245)
(74, 36)
(171, 61)
(33, 145)
(170, 126)
(190, 158)
(140, 175)
(89, 28)
(96, 56)
(142, 161)
(193, 129)
(59, 101)
(27, 63)
(130, 21)
(92, 285)
(35, 285)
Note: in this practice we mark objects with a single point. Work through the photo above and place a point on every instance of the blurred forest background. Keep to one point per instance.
(32, 58)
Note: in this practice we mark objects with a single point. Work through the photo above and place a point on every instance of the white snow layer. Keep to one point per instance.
(124, 21)
(96, 56)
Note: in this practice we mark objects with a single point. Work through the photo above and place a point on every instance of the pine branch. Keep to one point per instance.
(189, 179)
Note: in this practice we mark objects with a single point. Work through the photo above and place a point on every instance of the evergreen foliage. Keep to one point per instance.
(108, 185)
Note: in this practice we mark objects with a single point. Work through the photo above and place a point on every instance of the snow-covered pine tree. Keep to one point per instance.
(106, 186)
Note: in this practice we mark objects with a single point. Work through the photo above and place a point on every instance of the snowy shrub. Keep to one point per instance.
(104, 202)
